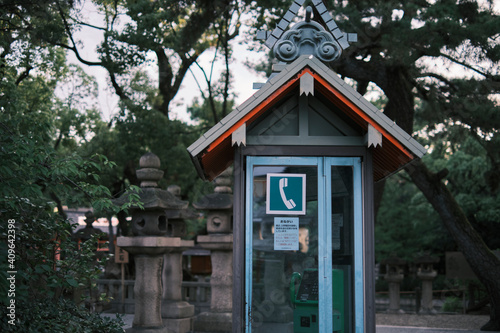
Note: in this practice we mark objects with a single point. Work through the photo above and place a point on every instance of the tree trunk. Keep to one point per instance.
(396, 84)
(481, 259)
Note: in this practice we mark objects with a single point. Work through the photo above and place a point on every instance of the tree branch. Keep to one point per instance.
(489, 76)
(185, 64)
(118, 90)
(70, 36)
(24, 74)
(373, 71)
(165, 76)
(60, 208)
(440, 78)
(90, 25)
(468, 240)
(77, 54)
(210, 93)
(197, 83)
(227, 37)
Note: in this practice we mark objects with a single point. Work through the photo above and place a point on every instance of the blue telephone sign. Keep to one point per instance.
(286, 194)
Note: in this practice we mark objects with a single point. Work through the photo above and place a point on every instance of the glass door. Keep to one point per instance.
(303, 231)
(344, 245)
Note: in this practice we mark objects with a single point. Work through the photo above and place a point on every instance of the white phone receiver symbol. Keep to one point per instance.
(288, 203)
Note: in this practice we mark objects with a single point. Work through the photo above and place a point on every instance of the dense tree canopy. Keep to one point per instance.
(434, 62)
(406, 214)
(40, 171)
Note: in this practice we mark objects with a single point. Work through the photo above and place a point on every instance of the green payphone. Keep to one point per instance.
(305, 301)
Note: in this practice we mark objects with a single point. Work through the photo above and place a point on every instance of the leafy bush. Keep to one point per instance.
(47, 315)
(36, 179)
(452, 304)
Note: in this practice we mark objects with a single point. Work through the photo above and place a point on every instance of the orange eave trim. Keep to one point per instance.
(361, 114)
(258, 110)
(285, 88)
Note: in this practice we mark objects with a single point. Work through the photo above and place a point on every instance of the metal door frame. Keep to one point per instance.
(323, 165)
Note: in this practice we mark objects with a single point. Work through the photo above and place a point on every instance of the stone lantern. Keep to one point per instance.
(426, 273)
(394, 275)
(87, 232)
(151, 241)
(219, 241)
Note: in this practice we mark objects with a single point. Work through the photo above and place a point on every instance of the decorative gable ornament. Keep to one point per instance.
(308, 37)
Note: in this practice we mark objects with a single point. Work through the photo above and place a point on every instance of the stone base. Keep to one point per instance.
(216, 241)
(176, 309)
(213, 322)
(149, 245)
(182, 325)
(424, 311)
(148, 330)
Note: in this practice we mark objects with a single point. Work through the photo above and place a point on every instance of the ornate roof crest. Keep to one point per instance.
(308, 37)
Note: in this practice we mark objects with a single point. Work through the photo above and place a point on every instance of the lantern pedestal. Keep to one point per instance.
(148, 251)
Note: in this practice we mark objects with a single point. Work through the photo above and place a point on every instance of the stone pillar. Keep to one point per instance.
(147, 291)
(219, 241)
(177, 314)
(149, 245)
(394, 275)
(427, 274)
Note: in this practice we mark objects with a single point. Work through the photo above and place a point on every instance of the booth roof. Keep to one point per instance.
(213, 152)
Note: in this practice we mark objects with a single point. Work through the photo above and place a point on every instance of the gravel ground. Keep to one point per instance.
(454, 321)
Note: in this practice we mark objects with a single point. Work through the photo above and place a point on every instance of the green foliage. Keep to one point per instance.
(436, 63)
(406, 224)
(38, 22)
(34, 182)
(204, 114)
(39, 172)
(140, 131)
(174, 34)
(452, 304)
(405, 213)
(59, 316)
(195, 227)
(470, 180)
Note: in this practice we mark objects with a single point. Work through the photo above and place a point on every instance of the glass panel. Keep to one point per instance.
(284, 280)
(342, 248)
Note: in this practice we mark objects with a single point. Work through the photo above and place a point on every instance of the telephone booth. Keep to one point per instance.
(306, 149)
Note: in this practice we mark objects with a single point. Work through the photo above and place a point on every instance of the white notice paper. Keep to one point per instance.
(286, 233)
